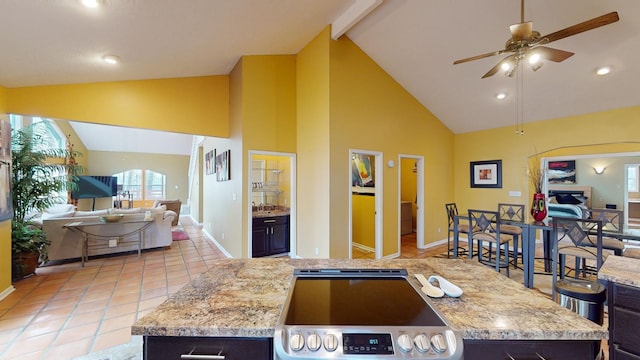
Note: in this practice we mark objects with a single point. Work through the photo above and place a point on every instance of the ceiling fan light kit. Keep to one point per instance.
(526, 43)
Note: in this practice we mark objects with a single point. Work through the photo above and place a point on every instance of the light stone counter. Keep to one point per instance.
(621, 270)
(244, 298)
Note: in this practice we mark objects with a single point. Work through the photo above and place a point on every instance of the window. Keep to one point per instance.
(52, 136)
(632, 178)
(155, 184)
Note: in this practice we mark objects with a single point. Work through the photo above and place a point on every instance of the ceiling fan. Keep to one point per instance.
(525, 43)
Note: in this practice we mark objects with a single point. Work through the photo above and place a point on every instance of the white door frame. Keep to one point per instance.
(378, 200)
(419, 196)
(292, 197)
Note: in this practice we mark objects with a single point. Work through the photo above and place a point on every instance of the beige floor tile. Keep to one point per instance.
(71, 350)
(111, 339)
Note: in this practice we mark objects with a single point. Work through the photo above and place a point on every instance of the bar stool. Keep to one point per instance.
(515, 213)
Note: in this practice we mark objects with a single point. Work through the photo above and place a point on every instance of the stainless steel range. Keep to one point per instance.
(361, 314)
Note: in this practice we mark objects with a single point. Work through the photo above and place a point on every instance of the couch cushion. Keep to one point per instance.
(140, 210)
(47, 215)
(60, 208)
(91, 213)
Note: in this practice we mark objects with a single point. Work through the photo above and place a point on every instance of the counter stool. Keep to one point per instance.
(515, 213)
(583, 297)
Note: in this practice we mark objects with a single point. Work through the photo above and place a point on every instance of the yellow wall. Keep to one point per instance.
(5, 228)
(312, 148)
(597, 133)
(371, 111)
(194, 105)
(363, 221)
(263, 117)
(409, 184)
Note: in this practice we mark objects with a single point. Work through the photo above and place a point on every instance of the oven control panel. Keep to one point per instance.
(306, 342)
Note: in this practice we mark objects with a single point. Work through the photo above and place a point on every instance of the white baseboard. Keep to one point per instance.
(6, 292)
(363, 247)
(213, 240)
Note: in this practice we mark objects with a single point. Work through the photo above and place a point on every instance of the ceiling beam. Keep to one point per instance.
(352, 16)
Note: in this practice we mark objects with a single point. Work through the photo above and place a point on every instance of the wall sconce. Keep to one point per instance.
(599, 169)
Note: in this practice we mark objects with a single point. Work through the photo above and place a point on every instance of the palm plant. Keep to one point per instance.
(37, 175)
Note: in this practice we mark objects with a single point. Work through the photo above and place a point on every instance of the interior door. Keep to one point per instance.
(365, 204)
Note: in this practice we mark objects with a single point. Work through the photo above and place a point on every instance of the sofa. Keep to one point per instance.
(67, 243)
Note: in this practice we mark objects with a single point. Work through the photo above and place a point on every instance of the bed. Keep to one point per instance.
(569, 201)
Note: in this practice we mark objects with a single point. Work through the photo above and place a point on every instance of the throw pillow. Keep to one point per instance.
(60, 208)
(567, 199)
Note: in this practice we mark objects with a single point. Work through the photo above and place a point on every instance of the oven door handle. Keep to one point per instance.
(192, 356)
(202, 357)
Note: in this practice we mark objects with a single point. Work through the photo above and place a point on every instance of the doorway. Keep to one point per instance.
(411, 198)
(632, 196)
(365, 204)
(271, 204)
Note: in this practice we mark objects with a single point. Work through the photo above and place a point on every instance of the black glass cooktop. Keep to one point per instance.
(358, 301)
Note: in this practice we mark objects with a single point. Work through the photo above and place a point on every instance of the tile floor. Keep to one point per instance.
(66, 311)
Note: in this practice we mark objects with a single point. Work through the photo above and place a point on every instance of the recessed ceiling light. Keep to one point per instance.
(604, 70)
(91, 3)
(111, 59)
(501, 95)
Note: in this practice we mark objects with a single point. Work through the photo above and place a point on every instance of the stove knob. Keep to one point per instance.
(405, 343)
(422, 342)
(314, 342)
(330, 342)
(439, 343)
(296, 343)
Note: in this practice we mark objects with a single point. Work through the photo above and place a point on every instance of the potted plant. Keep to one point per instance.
(537, 176)
(38, 177)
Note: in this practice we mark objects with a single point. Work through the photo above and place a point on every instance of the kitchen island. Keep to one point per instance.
(622, 275)
(243, 298)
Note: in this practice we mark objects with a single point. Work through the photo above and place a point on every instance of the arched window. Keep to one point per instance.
(47, 128)
(155, 184)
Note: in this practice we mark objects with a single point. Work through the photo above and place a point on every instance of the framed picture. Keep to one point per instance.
(561, 172)
(223, 168)
(208, 163)
(486, 174)
(6, 202)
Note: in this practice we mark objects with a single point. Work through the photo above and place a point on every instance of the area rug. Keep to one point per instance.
(178, 235)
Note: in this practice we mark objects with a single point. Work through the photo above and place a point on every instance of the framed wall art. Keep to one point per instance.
(209, 158)
(561, 172)
(6, 202)
(223, 166)
(486, 174)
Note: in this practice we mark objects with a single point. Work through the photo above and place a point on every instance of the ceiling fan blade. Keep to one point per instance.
(552, 54)
(477, 57)
(521, 31)
(597, 22)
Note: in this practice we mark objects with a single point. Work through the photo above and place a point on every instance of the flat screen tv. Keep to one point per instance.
(91, 187)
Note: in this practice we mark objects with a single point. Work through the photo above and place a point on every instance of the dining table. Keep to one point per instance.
(529, 231)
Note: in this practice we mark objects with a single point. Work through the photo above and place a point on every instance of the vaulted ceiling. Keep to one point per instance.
(415, 41)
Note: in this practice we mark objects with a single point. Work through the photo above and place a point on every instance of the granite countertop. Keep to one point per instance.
(269, 213)
(621, 270)
(244, 297)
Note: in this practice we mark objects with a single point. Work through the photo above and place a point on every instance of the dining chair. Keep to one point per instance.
(486, 227)
(612, 222)
(515, 213)
(452, 210)
(579, 238)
